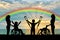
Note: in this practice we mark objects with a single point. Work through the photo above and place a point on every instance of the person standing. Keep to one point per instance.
(33, 24)
(8, 24)
(52, 23)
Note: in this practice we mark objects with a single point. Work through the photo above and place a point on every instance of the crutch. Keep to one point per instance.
(40, 20)
(26, 19)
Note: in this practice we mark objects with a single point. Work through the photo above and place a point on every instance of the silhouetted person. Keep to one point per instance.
(32, 25)
(52, 23)
(8, 24)
(16, 24)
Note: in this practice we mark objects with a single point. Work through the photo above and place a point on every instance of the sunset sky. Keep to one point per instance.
(10, 5)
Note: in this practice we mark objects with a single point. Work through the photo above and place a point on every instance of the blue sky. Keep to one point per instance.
(9, 5)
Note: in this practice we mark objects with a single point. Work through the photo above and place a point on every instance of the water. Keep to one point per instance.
(4, 31)
(26, 31)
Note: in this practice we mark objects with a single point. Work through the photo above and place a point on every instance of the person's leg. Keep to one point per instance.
(34, 32)
(53, 31)
(8, 30)
(31, 32)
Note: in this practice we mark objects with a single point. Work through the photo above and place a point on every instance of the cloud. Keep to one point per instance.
(49, 6)
(23, 3)
(4, 5)
(15, 4)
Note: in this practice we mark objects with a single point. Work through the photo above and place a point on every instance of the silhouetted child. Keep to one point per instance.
(32, 25)
(8, 24)
(16, 24)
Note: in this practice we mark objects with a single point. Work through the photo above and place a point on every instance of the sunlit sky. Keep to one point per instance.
(9, 5)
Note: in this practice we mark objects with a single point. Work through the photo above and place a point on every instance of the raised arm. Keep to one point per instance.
(12, 22)
(48, 25)
(19, 22)
(39, 21)
(27, 19)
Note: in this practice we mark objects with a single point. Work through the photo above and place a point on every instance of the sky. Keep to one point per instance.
(9, 5)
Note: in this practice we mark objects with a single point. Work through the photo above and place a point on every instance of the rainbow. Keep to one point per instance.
(28, 10)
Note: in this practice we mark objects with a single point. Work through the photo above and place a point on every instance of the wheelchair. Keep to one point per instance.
(44, 31)
(17, 32)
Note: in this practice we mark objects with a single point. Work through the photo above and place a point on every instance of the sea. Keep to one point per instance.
(25, 31)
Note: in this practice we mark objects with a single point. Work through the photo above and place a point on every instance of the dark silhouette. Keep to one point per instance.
(8, 24)
(19, 30)
(52, 23)
(32, 24)
(16, 29)
(44, 31)
(16, 24)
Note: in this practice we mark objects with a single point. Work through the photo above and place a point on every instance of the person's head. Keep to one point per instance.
(52, 16)
(16, 22)
(8, 16)
(33, 21)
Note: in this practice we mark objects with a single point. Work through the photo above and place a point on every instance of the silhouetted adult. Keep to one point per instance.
(52, 23)
(32, 25)
(8, 24)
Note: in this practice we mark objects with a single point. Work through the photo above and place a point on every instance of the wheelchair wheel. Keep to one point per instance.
(44, 32)
(47, 32)
(39, 32)
(12, 31)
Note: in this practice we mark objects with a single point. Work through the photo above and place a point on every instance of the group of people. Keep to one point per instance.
(31, 24)
(15, 25)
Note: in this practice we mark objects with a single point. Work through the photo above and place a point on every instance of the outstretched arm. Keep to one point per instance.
(26, 19)
(12, 22)
(39, 20)
(48, 25)
(19, 22)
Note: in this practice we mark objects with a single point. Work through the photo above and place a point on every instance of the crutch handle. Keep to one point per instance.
(41, 17)
(25, 17)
